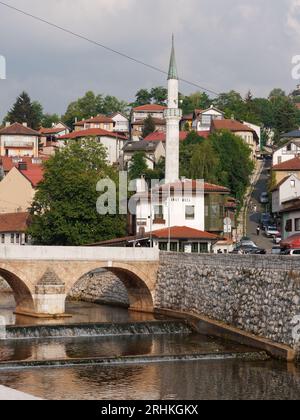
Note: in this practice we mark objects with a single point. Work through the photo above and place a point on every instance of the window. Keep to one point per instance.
(163, 246)
(17, 238)
(289, 226)
(3, 238)
(289, 147)
(195, 248)
(297, 225)
(293, 183)
(190, 212)
(206, 120)
(173, 247)
(12, 238)
(158, 212)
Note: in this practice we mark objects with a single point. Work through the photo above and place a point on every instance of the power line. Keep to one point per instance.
(98, 44)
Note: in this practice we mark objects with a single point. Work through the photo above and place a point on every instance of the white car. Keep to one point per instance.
(293, 252)
(272, 232)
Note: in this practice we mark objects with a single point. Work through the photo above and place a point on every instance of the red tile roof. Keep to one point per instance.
(34, 172)
(92, 132)
(232, 125)
(98, 119)
(19, 130)
(14, 222)
(185, 187)
(290, 165)
(52, 130)
(183, 232)
(158, 136)
(150, 107)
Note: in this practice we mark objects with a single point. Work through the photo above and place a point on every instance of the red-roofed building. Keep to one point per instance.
(13, 227)
(161, 137)
(50, 138)
(140, 113)
(19, 140)
(99, 121)
(175, 239)
(113, 142)
(194, 204)
(203, 118)
(18, 187)
(285, 169)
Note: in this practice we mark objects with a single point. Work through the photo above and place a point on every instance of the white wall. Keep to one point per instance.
(283, 154)
(289, 190)
(177, 213)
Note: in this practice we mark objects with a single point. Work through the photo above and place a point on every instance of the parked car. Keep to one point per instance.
(276, 250)
(272, 231)
(247, 242)
(264, 198)
(249, 250)
(293, 252)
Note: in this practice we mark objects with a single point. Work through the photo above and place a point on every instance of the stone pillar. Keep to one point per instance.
(50, 295)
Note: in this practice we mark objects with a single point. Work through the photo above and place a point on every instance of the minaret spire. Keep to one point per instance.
(173, 67)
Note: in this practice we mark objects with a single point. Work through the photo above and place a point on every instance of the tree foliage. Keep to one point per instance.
(64, 208)
(138, 166)
(149, 126)
(91, 105)
(25, 111)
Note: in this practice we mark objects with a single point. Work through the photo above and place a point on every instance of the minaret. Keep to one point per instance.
(173, 116)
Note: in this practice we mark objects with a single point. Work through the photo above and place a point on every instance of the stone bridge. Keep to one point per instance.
(42, 277)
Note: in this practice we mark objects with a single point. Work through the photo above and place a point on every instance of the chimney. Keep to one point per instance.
(7, 124)
(24, 124)
(22, 166)
(76, 120)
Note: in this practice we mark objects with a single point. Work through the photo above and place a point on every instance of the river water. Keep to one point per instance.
(127, 363)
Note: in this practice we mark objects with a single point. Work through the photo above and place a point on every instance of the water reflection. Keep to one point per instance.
(81, 313)
(209, 380)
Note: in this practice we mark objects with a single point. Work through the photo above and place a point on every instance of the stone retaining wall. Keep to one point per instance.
(100, 287)
(258, 294)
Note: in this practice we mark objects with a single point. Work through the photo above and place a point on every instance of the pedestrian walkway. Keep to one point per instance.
(8, 394)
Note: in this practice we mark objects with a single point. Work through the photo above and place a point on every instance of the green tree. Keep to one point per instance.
(277, 93)
(285, 116)
(204, 162)
(235, 164)
(49, 119)
(26, 111)
(232, 104)
(149, 126)
(91, 105)
(158, 173)
(64, 208)
(159, 95)
(138, 166)
(197, 100)
(142, 97)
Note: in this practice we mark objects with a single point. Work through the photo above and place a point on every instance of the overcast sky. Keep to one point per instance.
(221, 45)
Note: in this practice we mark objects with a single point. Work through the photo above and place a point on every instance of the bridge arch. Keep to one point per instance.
(21, 291)
(139, 284)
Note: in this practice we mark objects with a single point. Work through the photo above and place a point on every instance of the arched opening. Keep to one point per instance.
(114, 286)
(22, 295)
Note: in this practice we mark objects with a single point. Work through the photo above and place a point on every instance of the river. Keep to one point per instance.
(151, 358)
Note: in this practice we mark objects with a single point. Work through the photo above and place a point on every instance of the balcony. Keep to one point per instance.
(19, 144)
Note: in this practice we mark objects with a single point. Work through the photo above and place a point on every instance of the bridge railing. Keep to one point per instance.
(77, 253)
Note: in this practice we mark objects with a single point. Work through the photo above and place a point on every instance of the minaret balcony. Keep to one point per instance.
(173, 113)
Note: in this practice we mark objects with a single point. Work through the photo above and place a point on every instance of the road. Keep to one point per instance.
(253, 219)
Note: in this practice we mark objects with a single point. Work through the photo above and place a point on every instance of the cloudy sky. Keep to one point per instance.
(221, 45)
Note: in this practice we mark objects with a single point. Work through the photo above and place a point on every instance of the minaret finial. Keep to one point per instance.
(173, 67)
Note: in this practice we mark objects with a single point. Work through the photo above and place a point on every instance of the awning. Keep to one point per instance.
(292, 242)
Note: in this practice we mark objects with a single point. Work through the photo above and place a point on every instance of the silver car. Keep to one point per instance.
(264, 198)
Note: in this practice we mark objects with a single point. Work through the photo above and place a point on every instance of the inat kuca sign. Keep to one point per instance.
(2, 68)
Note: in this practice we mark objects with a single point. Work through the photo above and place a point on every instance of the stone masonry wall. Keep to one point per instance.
(4, 287)
(258, 294)
(100, 287)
